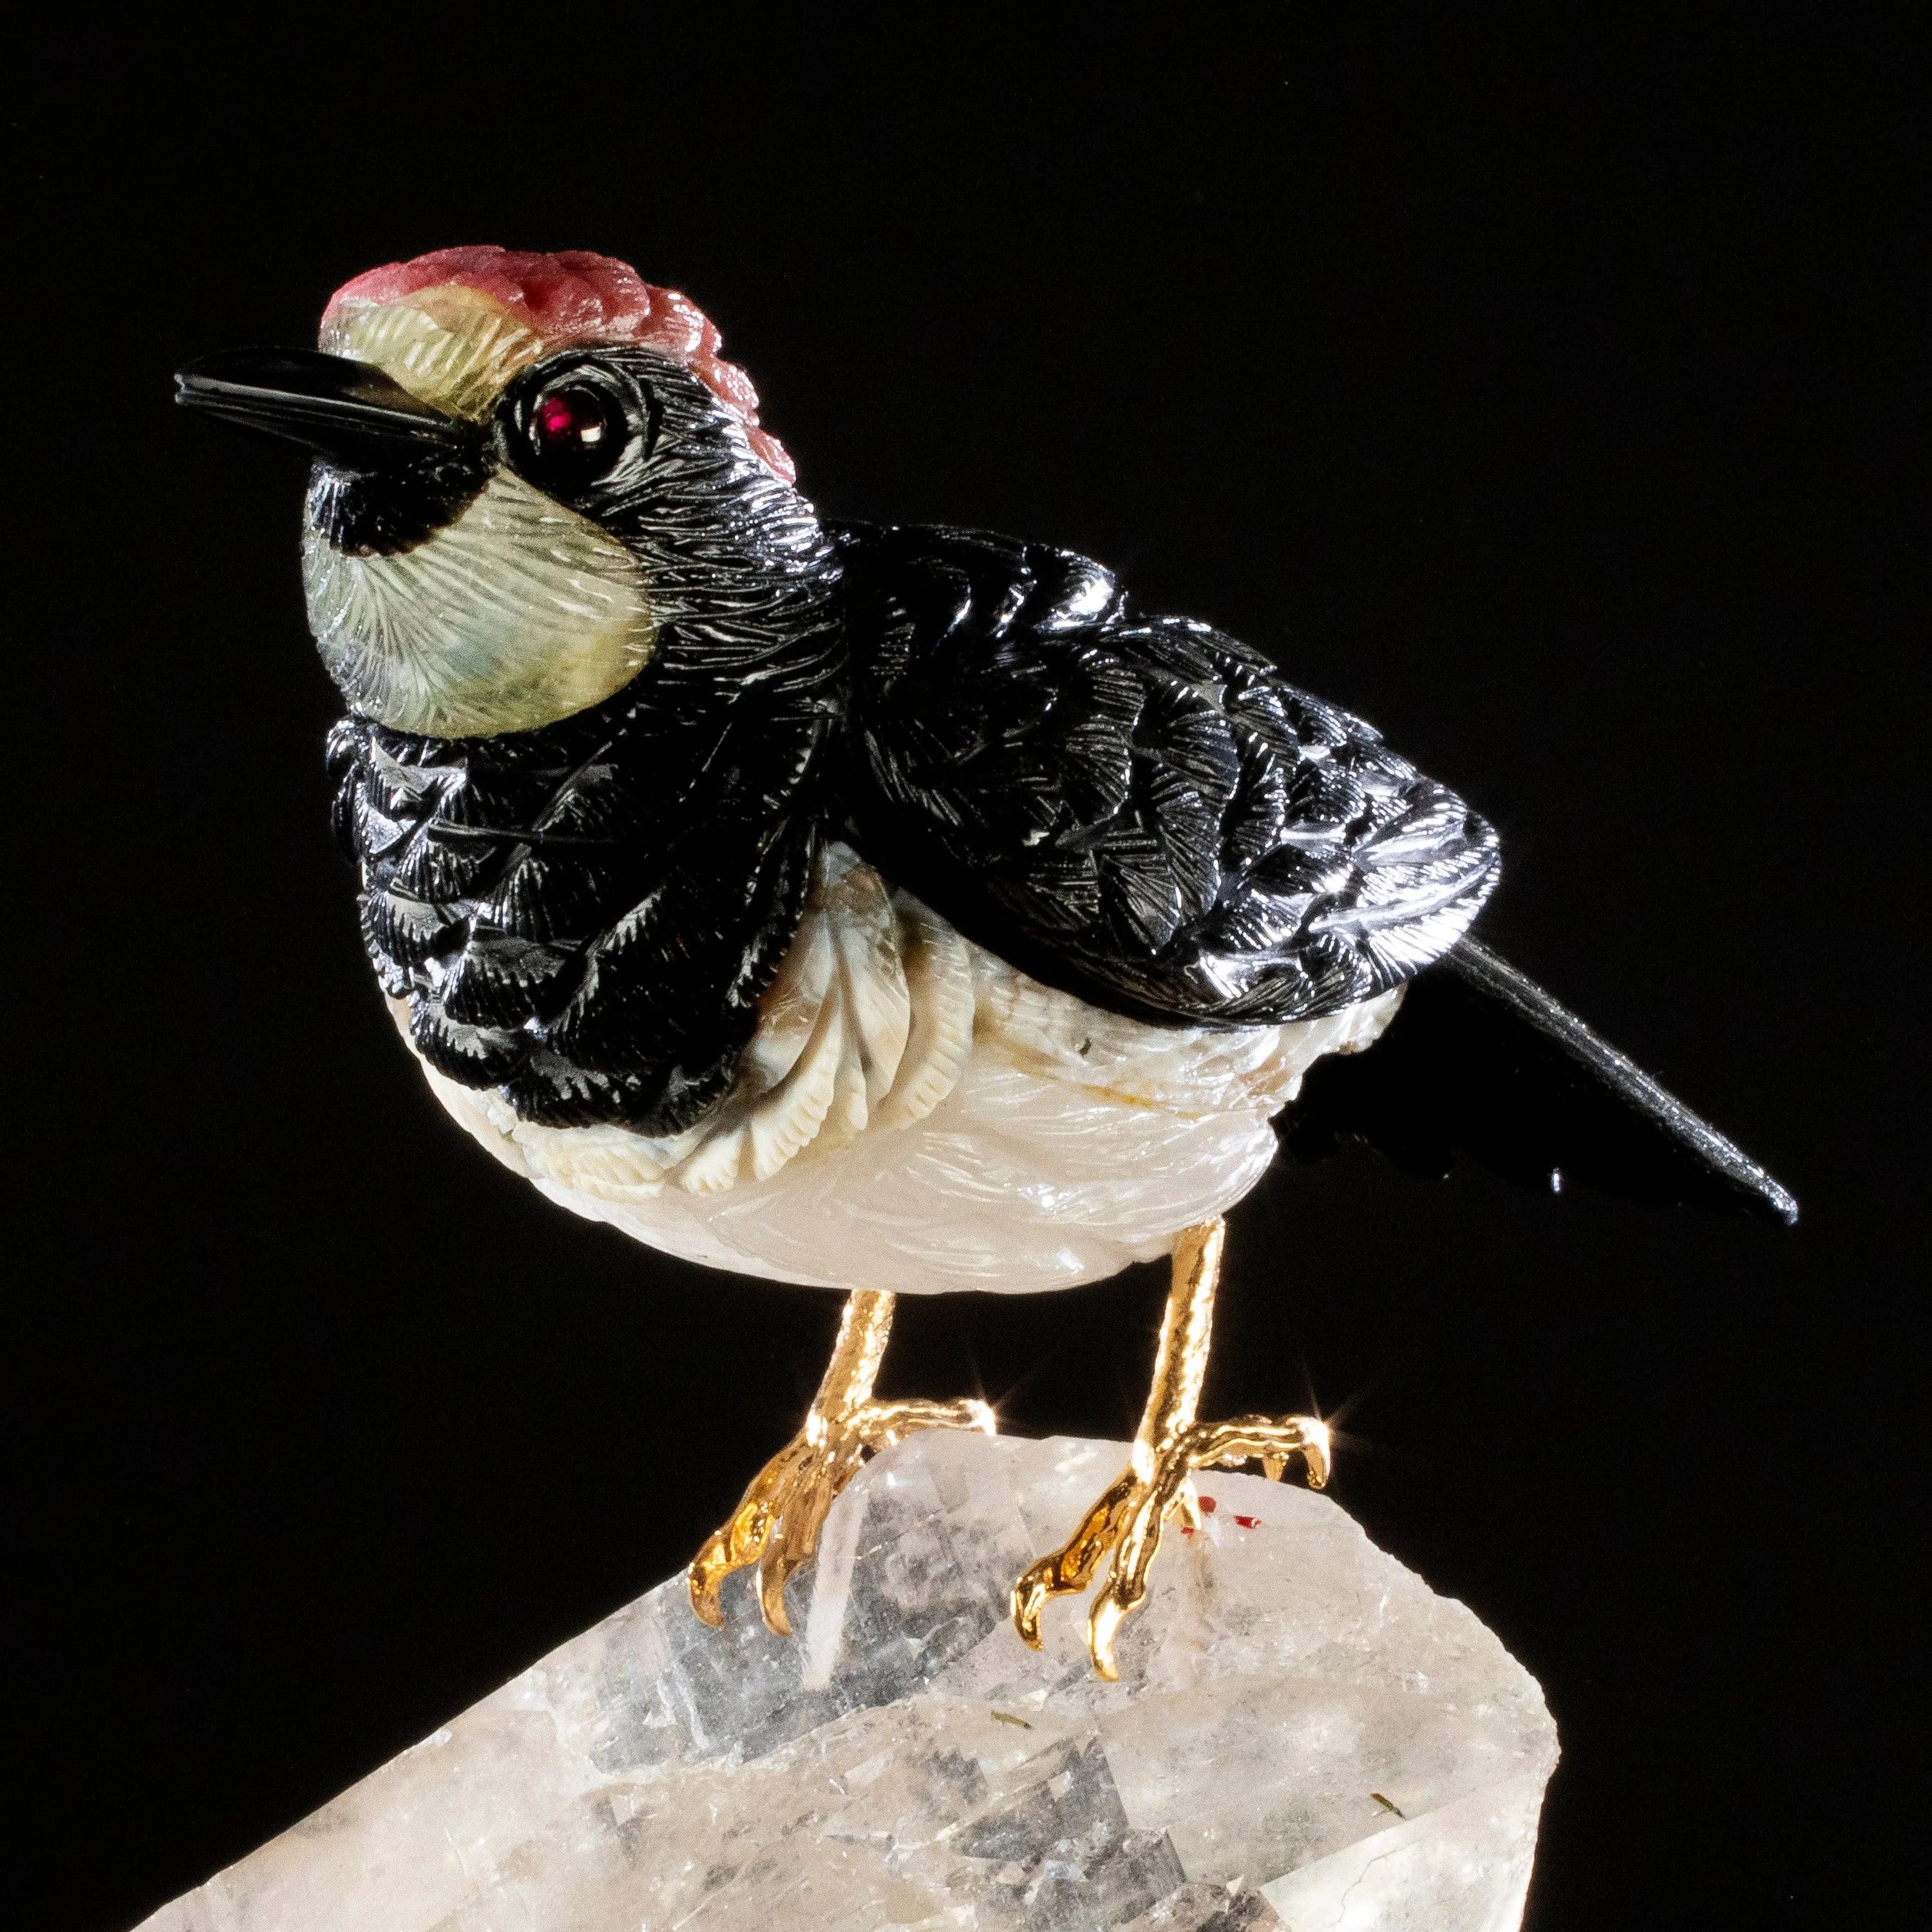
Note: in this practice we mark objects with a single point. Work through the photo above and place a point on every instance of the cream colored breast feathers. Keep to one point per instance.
(913, 1114)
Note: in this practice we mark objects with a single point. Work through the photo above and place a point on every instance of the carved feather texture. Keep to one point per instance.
(1142, 810)
(914, 1114)
(1129, 883)
(519, 608)
(583, 916)
(868, 1021)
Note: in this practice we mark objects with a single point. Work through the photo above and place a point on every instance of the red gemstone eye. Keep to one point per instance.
(574, 435)
(572, 419)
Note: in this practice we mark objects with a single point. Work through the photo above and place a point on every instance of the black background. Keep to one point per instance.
(1548, 393)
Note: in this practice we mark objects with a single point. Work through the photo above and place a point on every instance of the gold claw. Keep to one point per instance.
(1108, 1613)
(1030, 1598)
(709, 1569)
(778, 1524)
(1070, 1568)
(1317, 1453)
(1126, 1523)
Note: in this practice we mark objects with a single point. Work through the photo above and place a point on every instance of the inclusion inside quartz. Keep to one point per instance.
(1303, 1735)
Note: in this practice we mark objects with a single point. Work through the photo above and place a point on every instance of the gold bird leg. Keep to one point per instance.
(1169, 1445)
(777, 1524)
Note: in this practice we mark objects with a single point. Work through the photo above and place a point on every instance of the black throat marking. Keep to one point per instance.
(380, 513)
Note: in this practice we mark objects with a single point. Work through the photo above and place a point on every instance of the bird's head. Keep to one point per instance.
(534, 477)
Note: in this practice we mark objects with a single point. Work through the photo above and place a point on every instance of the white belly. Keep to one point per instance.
(914, 1114)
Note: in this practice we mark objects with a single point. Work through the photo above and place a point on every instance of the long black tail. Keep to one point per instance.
(1483, 1062)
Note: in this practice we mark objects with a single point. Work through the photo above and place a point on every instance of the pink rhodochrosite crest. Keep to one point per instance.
(570, 297)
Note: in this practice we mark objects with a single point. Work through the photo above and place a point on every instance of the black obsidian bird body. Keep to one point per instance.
(1142, 811)
(585, 915)
(878, 908)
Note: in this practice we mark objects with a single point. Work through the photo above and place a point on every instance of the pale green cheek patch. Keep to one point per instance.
(518, 613)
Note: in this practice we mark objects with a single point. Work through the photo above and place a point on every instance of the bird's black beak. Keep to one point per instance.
(347, 413)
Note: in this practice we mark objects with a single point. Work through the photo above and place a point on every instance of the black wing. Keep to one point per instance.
(1141, 811)
(1482, 1062)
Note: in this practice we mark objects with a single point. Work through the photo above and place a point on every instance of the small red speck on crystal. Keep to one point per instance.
(1249, 1522)
(1208, 1504)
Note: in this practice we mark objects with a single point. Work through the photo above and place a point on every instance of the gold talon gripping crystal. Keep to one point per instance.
(777, 1524)
(1126, 1521)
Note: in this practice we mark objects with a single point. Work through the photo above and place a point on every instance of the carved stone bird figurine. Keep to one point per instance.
(884, 910)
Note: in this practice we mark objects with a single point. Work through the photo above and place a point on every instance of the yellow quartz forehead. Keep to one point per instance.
(455, 347)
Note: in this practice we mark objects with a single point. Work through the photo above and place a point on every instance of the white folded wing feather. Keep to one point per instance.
(919, 1115)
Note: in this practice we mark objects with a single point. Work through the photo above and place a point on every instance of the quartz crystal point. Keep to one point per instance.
(1302, 1736)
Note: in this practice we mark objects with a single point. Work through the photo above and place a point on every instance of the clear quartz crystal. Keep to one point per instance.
(1303, 1736)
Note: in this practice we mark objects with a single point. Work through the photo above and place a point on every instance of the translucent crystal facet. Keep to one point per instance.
(1303, 1736)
